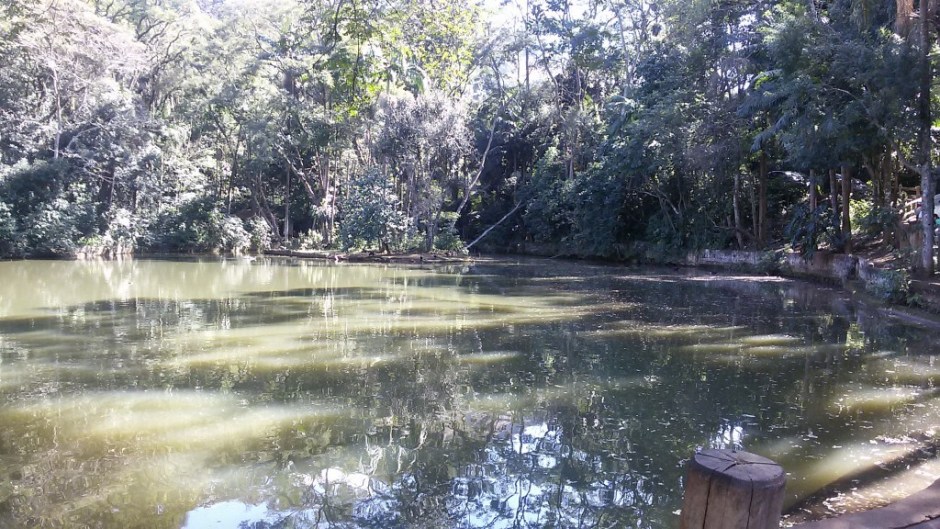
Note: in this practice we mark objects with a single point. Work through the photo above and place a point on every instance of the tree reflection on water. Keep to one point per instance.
(531, 394)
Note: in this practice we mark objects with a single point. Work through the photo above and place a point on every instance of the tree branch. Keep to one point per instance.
(488, 230)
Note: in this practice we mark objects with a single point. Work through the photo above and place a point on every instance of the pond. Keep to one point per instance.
(530, 393)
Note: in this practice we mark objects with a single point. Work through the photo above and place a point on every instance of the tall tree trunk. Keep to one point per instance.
(762, 201)
(287, 206)
(895, 171)
(924, 141)
(884, 163)
(904, 10)
(846, 197)
(525, 47)
(527, 69)
(881, 177)
(813, 192)
(736, 200)
(834, 196)
(328, 201)
(58, 109)
(755, 221)
(233, 174)
(261, 203)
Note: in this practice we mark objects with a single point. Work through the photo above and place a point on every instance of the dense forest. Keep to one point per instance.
(607, 128)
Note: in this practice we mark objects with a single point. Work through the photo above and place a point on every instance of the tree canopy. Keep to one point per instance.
(609, 128)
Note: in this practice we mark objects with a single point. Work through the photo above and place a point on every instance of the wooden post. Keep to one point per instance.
(728, 489)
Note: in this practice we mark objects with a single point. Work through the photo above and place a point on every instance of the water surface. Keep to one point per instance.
(278, 393)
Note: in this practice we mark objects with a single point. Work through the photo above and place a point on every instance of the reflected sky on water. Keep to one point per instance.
(279, 393)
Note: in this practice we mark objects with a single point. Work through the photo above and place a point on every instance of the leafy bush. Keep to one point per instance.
(372, 215)
(11, 243)
(43, 215)
(123, 230)
(548, 212)
(57, 227)
(870, 220)
(194, 226)
(808, 228)
(308, 240)
(891, 286)
(447, 238)
(260, 234)
(235, 239)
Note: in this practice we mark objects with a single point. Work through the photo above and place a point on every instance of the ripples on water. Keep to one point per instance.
(509, 394)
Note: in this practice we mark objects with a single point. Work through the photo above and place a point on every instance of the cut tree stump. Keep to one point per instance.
(728, 489)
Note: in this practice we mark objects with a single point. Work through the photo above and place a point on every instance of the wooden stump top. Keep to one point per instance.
(740, 468)
(727, 489)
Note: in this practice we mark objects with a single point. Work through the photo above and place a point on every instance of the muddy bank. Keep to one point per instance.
(372, 257)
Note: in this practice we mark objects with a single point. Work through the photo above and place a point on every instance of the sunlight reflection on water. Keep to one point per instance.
(218, 393)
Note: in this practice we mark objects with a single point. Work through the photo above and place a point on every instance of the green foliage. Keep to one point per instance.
(872, 221)
(310, 240)
(602, 209)
(57, 226)
(615, 125)
(892, 286)
(447, 238)
(372, 216)
(123, 231)
(46, 214)
(11, 243)
(259, 233)
(424, 141)
(808, 228)
(194, 226)
(548, 211)
(234, 238)
(770, 262)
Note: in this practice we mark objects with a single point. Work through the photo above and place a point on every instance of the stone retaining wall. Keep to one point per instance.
(822, 265)
(887, 285)
(729, 258)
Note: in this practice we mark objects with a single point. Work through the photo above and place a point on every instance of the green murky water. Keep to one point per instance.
(509, 394)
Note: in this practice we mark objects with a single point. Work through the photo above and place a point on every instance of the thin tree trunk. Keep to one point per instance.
(924, 141)
(813, 192)
(895, 180)
(736, 200)
(762, 201)
(884, 182)
(527, 67)
(233, 174)
(489, 144)
(498, 222)
(58, 110)
(432, 232)
(265, 210)
(287, 206)
(834, 196)
(755, 222)
(846, 197)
